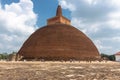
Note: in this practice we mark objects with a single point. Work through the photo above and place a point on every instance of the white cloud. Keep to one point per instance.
(99, 19)
(17, 22)
(99, 45)
(117, 38)
(65, 5)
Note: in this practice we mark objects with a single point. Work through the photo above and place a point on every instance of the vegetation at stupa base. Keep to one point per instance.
(6, 56)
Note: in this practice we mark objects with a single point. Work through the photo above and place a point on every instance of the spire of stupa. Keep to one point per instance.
(59, 11)
(59, 18)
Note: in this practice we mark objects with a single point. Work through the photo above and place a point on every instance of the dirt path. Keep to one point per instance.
(59, 71)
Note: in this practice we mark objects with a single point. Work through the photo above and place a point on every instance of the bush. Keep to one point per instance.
(110, 57)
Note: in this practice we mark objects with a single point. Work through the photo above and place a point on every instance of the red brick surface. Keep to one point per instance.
(58, 42)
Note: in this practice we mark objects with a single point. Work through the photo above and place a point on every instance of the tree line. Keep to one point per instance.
(5, 56)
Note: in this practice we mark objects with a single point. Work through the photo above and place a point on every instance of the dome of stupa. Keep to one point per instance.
(58, 40)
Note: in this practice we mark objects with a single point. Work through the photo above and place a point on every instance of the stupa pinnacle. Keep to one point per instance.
(59, 18)
(59, 11)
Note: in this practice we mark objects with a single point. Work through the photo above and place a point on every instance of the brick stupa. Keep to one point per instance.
(58, 40)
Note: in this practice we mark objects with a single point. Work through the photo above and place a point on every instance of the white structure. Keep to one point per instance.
(117, 56)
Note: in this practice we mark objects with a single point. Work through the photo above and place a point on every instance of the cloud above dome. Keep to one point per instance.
(99, 19)
(17, 21)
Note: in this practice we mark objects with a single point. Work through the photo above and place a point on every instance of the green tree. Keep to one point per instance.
(5, 56)
(110, 57)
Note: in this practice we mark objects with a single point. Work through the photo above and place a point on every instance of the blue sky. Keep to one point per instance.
(46, 9)
(98, 19)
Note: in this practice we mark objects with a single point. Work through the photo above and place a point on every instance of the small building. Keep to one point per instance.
(117, 56)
